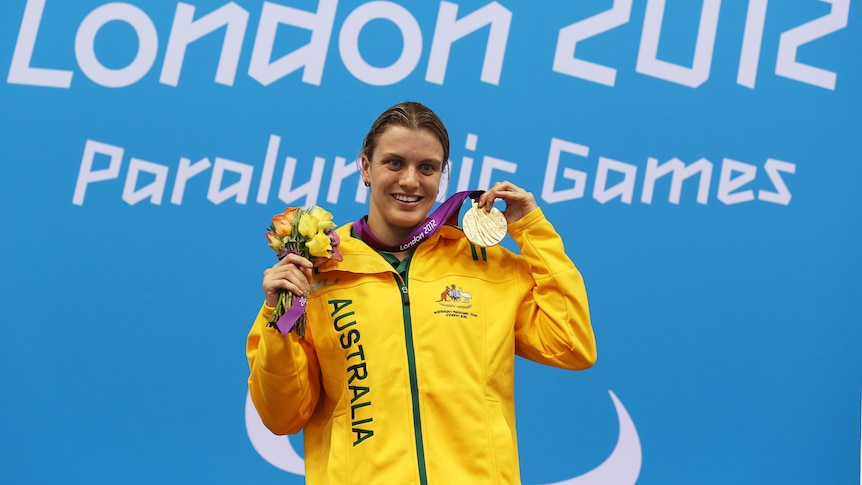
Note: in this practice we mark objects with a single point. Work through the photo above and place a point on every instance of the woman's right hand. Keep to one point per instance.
(291, 273)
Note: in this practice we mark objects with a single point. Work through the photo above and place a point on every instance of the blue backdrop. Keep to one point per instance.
(701, 160)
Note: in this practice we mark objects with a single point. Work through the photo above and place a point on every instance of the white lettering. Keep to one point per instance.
(340, 171)
(311, 189)
(648, 62)
(148, 44)
(317, 26)
(782, 194)
(20, 71)
(449, 30)
(348, 43)
(154, 190)
(489, 164)
(580, 178)
(680, 172)
(613, 179)
(86, 174)
(727, 183)
(361, 192)
(185, 30)
(184, 173)
(565, 61)
(443, 186)
(752, 39)
(239, 189)
(623, 189)
(268, 169)
(786, 64)
(311, 57)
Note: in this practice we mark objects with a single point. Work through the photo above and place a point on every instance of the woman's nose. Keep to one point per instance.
(409, 178)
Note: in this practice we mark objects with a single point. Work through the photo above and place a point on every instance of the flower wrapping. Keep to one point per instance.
(308, 233)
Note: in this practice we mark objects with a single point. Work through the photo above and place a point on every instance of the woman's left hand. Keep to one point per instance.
(519, 202)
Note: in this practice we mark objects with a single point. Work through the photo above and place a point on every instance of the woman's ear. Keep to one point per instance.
(365, 172)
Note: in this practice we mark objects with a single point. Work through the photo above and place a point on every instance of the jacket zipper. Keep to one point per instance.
(414, 385)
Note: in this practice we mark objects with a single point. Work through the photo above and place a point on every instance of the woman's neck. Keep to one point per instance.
(387, 234)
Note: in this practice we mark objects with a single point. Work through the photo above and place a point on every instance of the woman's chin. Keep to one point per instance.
(409, 224)
(410, 216)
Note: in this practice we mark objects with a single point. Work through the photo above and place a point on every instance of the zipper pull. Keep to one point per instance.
(404, 297)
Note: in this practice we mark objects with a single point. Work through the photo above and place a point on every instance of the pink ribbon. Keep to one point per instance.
(291, 315)
(423, 231)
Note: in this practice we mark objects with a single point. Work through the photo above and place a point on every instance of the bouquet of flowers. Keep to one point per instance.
(308, 233)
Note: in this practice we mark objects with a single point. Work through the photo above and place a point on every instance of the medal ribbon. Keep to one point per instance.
(291, 315)
(423, 231)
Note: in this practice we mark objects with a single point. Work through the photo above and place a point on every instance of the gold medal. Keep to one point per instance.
(484, 228)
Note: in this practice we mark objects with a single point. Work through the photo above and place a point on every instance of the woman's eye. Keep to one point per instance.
(427, 168)
(394, 163)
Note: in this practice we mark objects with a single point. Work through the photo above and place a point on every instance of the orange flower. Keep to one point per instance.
(274, 242)
(283, 223)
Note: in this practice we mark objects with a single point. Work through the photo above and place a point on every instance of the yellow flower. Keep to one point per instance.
(319, 246)
(324, 218)
(274, 242)
(283, 223)
(308, 225)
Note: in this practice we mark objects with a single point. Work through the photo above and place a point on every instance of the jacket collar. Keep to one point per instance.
(358, 257)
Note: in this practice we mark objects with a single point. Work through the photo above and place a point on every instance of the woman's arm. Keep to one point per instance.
(284, 379)
(553, 323)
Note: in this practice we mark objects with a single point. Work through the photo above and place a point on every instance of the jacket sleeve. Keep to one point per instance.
(284, 379)
(553, 322)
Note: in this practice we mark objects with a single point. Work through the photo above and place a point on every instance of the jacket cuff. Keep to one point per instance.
(266, 310)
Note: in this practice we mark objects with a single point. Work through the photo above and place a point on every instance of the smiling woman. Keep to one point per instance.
(402, 166)
(406, 370)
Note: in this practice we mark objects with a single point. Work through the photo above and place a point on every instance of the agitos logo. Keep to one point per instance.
(622, 467)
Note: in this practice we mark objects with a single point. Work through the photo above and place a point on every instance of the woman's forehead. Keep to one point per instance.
(402, 140)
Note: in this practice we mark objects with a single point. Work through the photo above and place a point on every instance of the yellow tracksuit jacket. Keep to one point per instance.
(410, 380)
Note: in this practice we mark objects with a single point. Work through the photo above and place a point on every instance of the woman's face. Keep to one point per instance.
(404, 172)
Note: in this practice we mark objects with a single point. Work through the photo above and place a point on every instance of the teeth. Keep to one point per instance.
(405, 198)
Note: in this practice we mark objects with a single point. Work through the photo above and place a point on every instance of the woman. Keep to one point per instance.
(405, 374)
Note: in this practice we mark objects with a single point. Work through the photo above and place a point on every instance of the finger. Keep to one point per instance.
(511, 192)
(281, 270)
(501, 190)
(307, 271)
(295, 259)
(518, 201)
(486, 200)
(300, 280)
(507, 188)
(287, 277)
(276, 288)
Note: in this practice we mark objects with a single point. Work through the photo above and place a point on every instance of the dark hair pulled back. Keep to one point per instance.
(410, 114)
